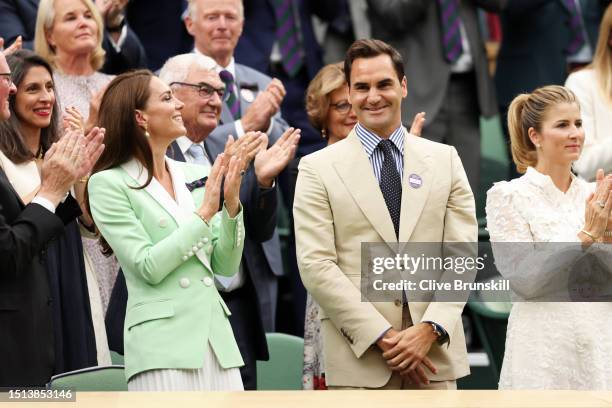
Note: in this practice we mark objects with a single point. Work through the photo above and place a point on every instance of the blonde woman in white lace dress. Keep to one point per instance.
(550, 345)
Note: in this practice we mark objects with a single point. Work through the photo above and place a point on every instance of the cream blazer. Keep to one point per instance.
(338, 205)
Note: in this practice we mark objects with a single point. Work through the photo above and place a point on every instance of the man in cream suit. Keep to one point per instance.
(381, 184)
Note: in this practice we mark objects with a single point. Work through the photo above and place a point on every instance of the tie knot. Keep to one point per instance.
(226, 77)
(386, 146)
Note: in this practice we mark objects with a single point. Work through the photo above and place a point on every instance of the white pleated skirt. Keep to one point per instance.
(211, 377)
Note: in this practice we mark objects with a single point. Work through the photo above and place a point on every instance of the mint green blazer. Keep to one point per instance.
(169, 256)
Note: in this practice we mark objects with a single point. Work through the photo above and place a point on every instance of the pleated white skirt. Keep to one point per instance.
(211, 377)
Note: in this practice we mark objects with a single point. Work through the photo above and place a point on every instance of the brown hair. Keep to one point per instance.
(602, 61)
(11, 142)
(124, 139)
(528, 111)
(327, 80)
(370, 49)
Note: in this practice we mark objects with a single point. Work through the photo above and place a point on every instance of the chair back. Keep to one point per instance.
(100, 378)
(283, 371)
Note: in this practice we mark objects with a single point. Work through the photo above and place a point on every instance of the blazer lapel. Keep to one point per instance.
(358, 176)
(136, 171)
(416, 183)
(241, 77)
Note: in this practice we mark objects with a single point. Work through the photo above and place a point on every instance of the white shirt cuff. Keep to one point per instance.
(117, 45)
(44, 202)
(269, 131)
(239, 128)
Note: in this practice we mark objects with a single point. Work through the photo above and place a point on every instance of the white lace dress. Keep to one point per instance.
(549, 345)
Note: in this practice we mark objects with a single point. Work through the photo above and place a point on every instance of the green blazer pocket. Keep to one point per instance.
(144, 312)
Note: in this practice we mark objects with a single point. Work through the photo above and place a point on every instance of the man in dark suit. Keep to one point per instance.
(251, 103)
(251, 294)
(123, 48)
(446, 67)
(27, 341)
(259, 49)
(537, 49)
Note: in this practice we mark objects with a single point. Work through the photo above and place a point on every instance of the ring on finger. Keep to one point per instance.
(601, 203)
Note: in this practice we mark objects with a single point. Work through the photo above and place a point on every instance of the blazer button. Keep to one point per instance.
(163, 222)
(207, 281)
(205, 240)
(185, 283)
(200, 244)
(184, 258)
(195, 248)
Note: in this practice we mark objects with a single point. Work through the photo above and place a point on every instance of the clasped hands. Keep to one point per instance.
(406, 352)
(597, 212)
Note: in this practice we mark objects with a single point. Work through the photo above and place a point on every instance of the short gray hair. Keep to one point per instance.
(177, 68)
(192, 9)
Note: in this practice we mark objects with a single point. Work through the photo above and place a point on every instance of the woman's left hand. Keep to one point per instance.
(233, 178)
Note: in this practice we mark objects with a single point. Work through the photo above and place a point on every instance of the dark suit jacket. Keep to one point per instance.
(27, 340)
(259, 33)
(413, 28)
(160, 27)
(18, 17)
(535, 36)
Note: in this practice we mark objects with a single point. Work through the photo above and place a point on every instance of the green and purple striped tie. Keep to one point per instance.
(575, 27)
(230, 93)
(288, 36)
(451, 33)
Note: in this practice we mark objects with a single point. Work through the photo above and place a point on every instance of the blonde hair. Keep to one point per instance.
(528, 111)
(327, 80)
(44, 23)
(602, 61)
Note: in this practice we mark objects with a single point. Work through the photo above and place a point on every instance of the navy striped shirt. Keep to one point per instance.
(370, 143)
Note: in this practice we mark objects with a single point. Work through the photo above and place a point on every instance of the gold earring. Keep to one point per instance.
(324, 133)
(146, 132)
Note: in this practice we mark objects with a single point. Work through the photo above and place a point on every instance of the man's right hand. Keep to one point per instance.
(61, 167)
(415, 375)
(267, 103)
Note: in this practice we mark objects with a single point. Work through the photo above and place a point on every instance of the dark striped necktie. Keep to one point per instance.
(230, 97)
(575, 26)
(391, 183)
(288, 36)
(451, 33)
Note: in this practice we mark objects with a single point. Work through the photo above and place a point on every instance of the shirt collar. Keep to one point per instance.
(185, 143)
(544, 182)
(370, 140)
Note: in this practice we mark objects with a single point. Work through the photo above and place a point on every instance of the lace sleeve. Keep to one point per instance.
(533, 269)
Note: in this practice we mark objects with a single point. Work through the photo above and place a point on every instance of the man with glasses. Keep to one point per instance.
(7, 88)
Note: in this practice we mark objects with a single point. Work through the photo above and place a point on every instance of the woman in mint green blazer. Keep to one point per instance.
(165, 228)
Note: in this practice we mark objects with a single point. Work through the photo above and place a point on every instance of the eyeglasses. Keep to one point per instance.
(205, 90)
(6, 78)
(342, 107)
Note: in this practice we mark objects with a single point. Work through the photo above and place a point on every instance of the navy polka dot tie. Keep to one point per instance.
(391, 183)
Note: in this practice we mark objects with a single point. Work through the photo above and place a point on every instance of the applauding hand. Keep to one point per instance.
(269, 163)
